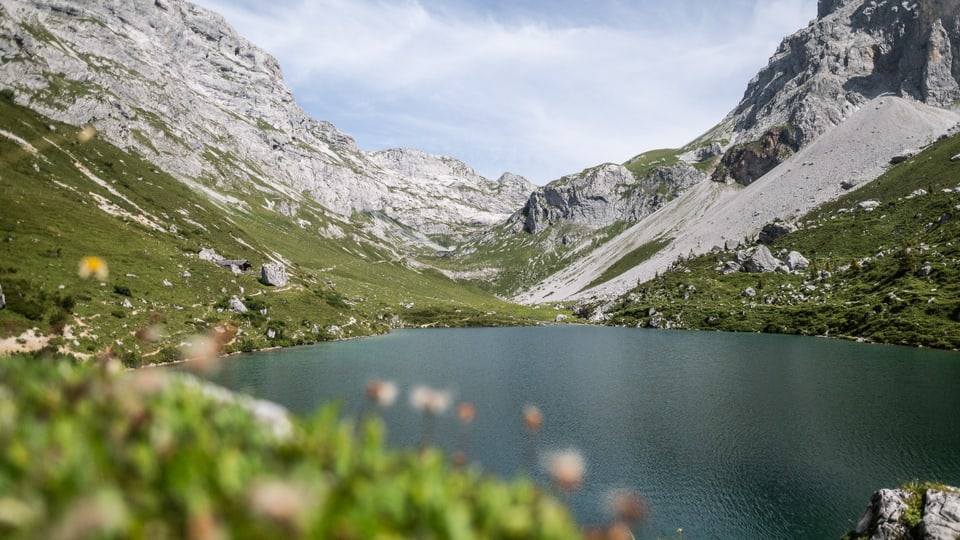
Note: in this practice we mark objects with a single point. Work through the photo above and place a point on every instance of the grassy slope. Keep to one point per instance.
(883, 300)
(51, 219)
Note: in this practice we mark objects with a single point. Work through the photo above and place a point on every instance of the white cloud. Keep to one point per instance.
(537, 98)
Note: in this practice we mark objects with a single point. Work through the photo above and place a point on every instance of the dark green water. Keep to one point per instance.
(727, 435)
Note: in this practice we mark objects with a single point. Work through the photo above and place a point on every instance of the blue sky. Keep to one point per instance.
(538, 88)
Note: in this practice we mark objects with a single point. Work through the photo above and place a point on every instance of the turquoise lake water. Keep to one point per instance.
(726, 435)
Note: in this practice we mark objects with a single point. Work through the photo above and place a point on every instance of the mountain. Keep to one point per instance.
(149, 143)
(151, 134)
(864, 83)
(443, 196)
(175, 83)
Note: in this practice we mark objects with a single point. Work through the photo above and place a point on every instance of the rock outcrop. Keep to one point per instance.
(854, 51)
(902, 514)
(446, 186)
(602, 196)
(746, 163)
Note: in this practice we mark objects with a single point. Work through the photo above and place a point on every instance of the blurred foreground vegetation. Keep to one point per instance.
(89, 451)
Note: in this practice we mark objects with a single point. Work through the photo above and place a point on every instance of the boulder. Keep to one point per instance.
(772, 231)
(941, 515)
(236, 305)
(273, 275)
(208, 254)
(925, 271)
(868, 206)
(731, 267)
(881, 519)
(761, 261)
(900, 158)
(749, 292)
(708, 151)
(795, 261)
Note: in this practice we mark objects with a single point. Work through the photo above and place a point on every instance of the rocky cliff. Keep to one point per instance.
(602, 196)
(443, 186)
(175, 83)
(854, 51)
(905, 514)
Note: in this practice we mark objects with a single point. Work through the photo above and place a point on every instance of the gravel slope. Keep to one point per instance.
(856, 151)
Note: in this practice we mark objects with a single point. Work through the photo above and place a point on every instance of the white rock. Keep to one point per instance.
(273, 275)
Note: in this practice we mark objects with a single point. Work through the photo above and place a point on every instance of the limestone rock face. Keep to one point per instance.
(746, 163)
(941, 515)
(884, 517)
(853, 52)
(447, 187)
(175, 83)
(273, 275)
(602, 196)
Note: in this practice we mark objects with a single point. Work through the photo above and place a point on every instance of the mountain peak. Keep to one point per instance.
(855, 50)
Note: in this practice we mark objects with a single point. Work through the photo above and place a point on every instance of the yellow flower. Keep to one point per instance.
(93, 266)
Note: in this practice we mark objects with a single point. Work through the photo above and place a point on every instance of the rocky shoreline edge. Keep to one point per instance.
(913, 512)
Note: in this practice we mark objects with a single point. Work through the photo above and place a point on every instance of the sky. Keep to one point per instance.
(535, 87)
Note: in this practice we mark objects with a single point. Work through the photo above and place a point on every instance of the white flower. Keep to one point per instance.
(566, 468)
(383, 393)
(429, 400)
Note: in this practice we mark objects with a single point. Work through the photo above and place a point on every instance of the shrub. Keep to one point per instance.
(114, 456)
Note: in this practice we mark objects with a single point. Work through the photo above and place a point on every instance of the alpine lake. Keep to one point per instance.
(725, 435)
